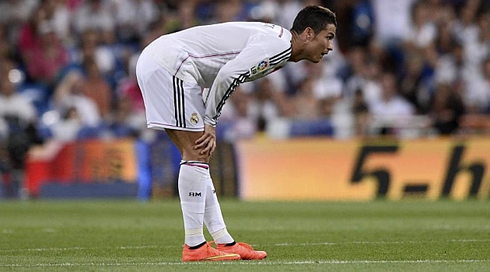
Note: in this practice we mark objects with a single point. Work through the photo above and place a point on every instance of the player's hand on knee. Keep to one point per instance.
(207, 142)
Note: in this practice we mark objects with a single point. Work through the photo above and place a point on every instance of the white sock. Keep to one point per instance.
(192, 193)
(222, 237)
(213, 218)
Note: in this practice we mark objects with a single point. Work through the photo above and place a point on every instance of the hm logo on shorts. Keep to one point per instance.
(195, 194)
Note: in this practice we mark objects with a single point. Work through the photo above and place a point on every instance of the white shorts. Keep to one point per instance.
(169, 102)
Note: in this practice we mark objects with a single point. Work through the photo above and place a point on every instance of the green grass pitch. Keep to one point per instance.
(126, 235)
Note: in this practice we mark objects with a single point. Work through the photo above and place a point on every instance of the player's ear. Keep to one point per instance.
(309, 33)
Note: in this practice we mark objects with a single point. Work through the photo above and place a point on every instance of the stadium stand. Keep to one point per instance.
(435, 54)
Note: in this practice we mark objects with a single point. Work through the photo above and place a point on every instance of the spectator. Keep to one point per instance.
(237, 122)
(68, 94)
(361, 114)
(413, 85)
(423, 31)
(5, 169)
(40, 49)
(155, 30)
(476, 40)
(229, 10)
(132, 18)
(60, 19)
(446, 110)
(391, 109)
(288, 9)
(268, 104)
(7, 57)
(306, 104)
(46, 58)
(15, 109)
(68, 128)
(392, 21)
(28, 33)
(97, 89)
(123, 122)
(465, 27)
(356, 60)
(128, 87)
(445, 39)
(325, 84)
(449, 42)
(357, 19)
(4, 130)
(17, 120)
(14, 14)
(94, 15)
(477, 92)
(92, 49)
(317, 93)
(367, 73)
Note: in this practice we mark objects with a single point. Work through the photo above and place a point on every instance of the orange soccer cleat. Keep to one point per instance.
(244, 250)
(207, 253)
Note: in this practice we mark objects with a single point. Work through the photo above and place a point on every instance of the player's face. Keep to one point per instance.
(321, 44)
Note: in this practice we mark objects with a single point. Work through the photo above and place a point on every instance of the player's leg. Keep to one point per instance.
(197, 193)
(213, 217)
(194, 184)
(174, 106)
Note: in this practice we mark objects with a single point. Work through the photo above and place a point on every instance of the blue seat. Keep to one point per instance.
(38, 94)
(321, 127)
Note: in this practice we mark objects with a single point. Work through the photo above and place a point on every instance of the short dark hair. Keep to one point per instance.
(316, 17)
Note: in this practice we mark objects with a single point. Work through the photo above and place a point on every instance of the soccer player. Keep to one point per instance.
(186, 77)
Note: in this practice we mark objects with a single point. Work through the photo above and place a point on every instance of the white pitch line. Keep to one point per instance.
(255, 263)
(79, 248)
(280, 245)
(470, 240)
(383, 242)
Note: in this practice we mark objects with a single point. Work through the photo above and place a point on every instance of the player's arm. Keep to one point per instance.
(230, 76)
(260, 51)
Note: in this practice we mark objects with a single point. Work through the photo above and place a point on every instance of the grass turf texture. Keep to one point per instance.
(125, 235)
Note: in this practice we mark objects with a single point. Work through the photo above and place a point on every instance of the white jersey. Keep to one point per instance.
(222, 56)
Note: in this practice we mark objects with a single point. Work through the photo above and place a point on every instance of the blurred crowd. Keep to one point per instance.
(405, 68)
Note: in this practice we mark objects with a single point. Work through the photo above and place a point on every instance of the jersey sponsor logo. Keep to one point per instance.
(259, 68)
(194, 118)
